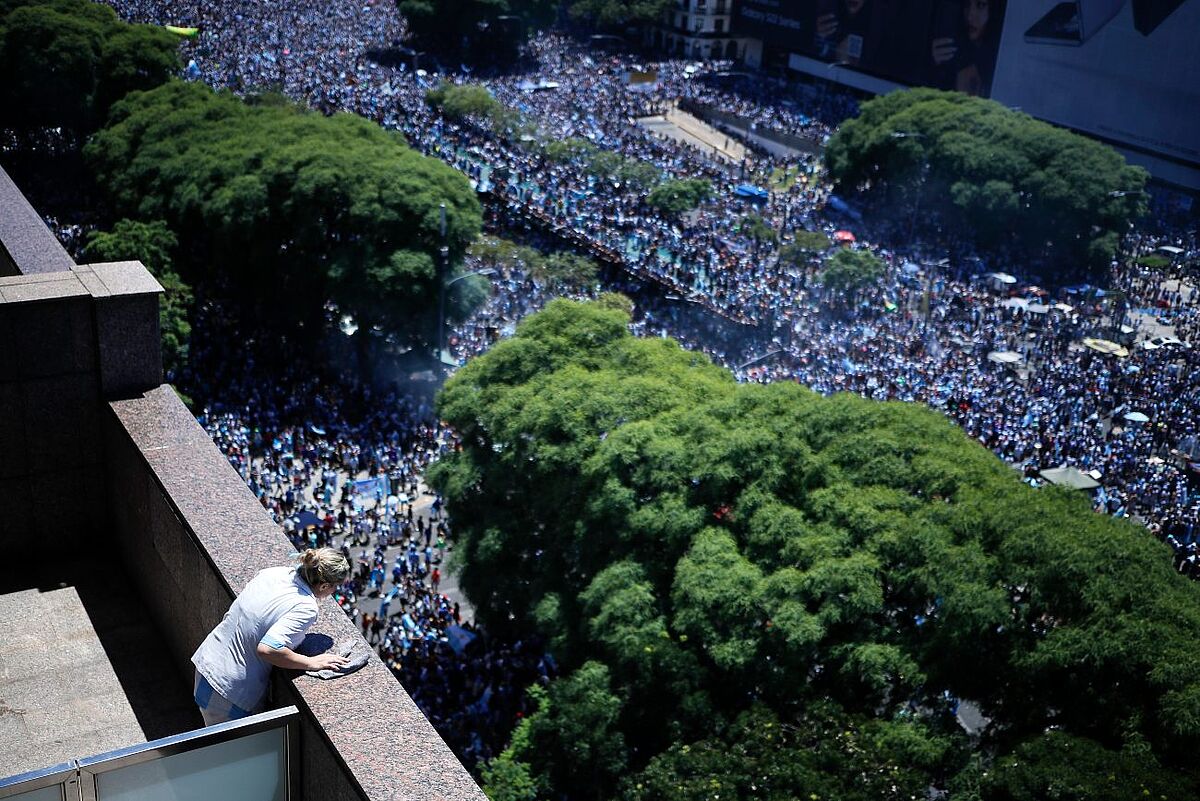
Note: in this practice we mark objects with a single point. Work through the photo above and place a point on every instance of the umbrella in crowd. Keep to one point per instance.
(1107, 347)
(1071, 477)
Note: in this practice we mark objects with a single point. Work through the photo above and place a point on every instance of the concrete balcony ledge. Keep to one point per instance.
(27, 246)
(193, 534)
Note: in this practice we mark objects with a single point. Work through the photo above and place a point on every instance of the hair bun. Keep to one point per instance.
(323, 565)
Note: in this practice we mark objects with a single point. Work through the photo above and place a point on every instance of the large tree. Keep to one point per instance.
(839, 568)
(476, 29)
(618, 13)
(1011, 180)
(295, 207)
(677, 195)
(851, 270)
(153, 244)
(65, 62)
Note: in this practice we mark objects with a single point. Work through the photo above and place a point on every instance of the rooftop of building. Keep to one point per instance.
(132, 535)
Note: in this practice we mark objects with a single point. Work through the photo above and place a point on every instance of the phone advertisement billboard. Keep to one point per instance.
(1127, 71)
(950, 44)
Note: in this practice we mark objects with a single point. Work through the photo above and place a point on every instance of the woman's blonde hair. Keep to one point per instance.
(323, 566)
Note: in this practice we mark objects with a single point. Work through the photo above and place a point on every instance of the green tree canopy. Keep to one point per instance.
(726, 549)
(638, 175)
(1009, 179)
(758, 229)
(1067, 768)
(152, 244)
(851, 270)
(677, 195)
(497, 253)
(65, 62)
(619, 13)
(476, 29)
(296, 207)
(460, 101)
(803, 246)
(567, 270)
(564, 150)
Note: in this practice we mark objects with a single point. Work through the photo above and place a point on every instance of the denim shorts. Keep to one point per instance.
(214, 707)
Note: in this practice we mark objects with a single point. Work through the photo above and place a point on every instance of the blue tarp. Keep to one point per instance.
(752, 192)
(842, 206)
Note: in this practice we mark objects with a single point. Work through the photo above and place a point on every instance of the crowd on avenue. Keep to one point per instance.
(339, 463)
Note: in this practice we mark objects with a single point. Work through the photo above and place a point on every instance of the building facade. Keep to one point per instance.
(698, 29)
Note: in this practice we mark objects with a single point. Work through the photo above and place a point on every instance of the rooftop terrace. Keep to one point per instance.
(138, 534)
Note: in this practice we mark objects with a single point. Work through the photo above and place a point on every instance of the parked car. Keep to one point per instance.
(1154, 343)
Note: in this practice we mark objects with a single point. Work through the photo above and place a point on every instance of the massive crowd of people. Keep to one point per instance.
(338, 462)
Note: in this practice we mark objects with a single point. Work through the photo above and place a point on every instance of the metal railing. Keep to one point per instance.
(133, 772)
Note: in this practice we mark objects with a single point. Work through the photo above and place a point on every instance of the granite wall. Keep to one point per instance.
(194, 534)
(68, 339)
(27, 246)
(101, 454)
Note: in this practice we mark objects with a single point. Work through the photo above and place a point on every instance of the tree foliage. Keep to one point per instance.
(758, 229)
(476, 29)
(460, 101)
(803, 246)
(619, 13)
(65, 62)
(293, 206)
(564, 269)
(677, 195)
(1063, 767)
(850, 270)
(638, 175)
(152, 244)
(839, 568)
(1010, 179)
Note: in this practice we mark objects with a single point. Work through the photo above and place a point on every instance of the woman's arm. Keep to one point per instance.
(290, 660)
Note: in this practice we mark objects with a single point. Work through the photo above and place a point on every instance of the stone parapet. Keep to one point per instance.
(194, 535)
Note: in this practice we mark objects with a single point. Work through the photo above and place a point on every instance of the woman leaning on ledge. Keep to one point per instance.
(261, 629)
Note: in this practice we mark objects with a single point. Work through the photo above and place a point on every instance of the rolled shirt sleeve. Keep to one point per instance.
(289, 630)
(276, 608)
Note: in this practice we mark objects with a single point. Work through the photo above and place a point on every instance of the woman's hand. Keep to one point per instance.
(289, 659)
(943, 50)
(327, 661)
(827, 26)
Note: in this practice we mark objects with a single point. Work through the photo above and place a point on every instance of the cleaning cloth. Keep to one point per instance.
(343, 649)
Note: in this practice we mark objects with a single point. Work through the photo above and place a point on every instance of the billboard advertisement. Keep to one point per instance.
(1124, 70)
(950, 44)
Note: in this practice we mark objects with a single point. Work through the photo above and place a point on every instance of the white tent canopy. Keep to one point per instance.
(1071, 477)
(1004, 357)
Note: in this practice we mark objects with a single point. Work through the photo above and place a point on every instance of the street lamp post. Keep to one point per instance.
(443, 274)
(442, 308)
(912, 223)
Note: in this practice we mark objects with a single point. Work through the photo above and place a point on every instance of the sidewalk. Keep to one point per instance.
(690, 130)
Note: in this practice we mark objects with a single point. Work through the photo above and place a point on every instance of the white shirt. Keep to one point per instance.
(276, 609)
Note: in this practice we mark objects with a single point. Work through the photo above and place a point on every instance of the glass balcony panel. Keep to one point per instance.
(52, 793)
(251, 768)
